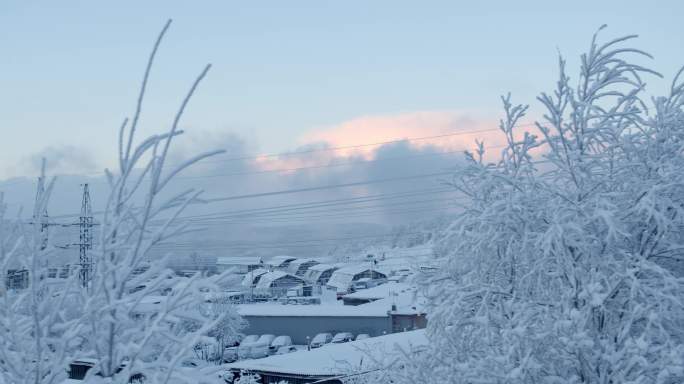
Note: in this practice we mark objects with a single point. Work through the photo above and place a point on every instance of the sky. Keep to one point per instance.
(288, 76)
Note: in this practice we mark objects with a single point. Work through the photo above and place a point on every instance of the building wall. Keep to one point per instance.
(280, 286)
(401, 323)
(299, 327)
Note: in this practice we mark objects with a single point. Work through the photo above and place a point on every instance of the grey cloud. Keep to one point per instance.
(61, 159)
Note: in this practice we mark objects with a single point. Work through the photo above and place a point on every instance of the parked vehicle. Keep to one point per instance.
(230, 354)
(342, 337)
(246, 345)
(260, 348)
(362, 336)
(321, 339)
(286, 349)
(279, 342)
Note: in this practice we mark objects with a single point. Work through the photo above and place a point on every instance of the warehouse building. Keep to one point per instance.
(239, 264)
(251, 279)
(281, 262)
(302, 321)
(319, 274)
(342, 278)
(277, 283)
(299, 267)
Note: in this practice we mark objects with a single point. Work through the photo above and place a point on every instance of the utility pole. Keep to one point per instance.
(42, 218)
(85, 244)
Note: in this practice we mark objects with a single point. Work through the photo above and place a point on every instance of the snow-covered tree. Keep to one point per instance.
(37, 322)
(141, 319)
(126, 311)
(567, 265)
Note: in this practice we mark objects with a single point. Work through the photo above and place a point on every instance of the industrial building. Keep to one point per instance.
(276, 283)
(319, 274)
(281, 262)
(342, 278)
(241, 265)
(299, 267)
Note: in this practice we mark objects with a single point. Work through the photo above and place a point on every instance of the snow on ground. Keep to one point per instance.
(339, 359)
(381, 291)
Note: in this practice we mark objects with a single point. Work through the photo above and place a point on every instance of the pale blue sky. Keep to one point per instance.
(69, 70)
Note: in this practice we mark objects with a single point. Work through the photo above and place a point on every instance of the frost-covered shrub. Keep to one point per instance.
(567, 267)
(129, 315)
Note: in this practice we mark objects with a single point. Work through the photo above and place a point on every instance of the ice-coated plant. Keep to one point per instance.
(567, 264)
(131, 316)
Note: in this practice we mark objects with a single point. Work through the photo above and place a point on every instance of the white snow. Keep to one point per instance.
(381, 291)
(248, 280)
(339, 359)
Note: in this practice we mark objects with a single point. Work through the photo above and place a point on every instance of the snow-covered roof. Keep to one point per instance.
(381, 291)
(278, 260)
(295, 264)
(340, 359)
(323, 310)
(408, 302)
(268, 278)
(342, 277)
(238, 260)
(250, 276)
(323, 267)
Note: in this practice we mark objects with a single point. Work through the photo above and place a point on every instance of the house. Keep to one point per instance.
(376, 293)
(319, 274)
(252, 278)
(281, 262)
(277, 283)
(299, 267)
(333, 363)
(342, 278)
(240, 264)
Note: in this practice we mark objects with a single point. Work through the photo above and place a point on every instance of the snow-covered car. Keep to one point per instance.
(279, 342)
(245, 346)
(230, 354)
(342, 337)
(286, 349)
(260, 348)
(362, 336)
(321, 339)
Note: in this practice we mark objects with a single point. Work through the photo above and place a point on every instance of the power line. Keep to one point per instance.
(347, 210)
(319, 240)
(324, 187)
(341, 215)
(320, 203)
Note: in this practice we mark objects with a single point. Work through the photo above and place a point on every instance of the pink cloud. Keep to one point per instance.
(371, 129)
(458, 131)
